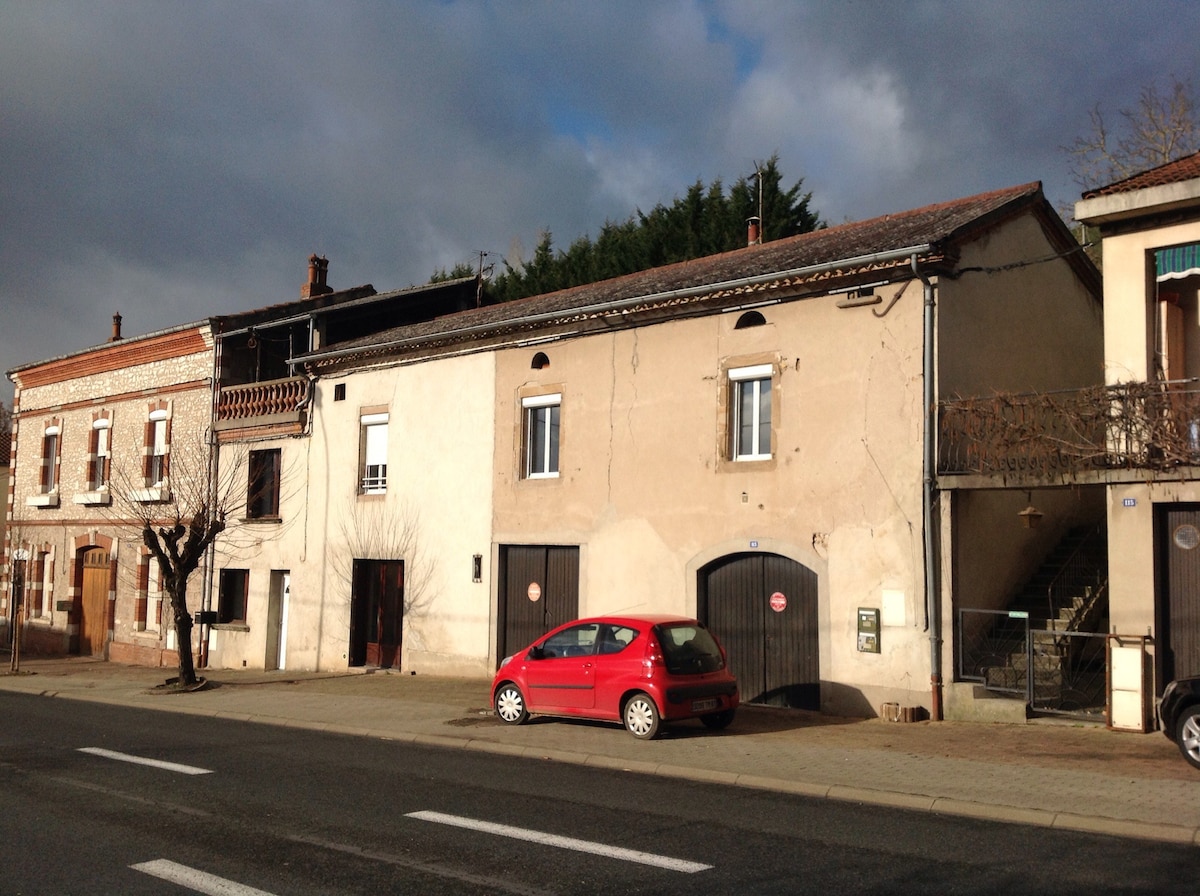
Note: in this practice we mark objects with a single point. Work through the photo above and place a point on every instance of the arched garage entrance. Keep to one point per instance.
(763, 608)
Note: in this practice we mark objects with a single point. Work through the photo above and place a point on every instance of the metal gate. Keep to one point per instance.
(1056, 672)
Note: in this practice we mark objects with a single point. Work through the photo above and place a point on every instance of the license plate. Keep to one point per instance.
(705, 705)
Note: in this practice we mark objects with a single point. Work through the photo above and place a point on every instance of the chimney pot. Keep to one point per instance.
(753, 236)
(116, 328)
(318, 268)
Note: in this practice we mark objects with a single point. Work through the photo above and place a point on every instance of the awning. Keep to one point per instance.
(1177, 262)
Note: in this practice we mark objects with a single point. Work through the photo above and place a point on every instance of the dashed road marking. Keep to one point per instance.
(599, 849)
(140, 760)
(200, 881)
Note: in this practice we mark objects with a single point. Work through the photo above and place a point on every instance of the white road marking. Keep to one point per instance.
(156, 763)
(599, 849)
(200, 881)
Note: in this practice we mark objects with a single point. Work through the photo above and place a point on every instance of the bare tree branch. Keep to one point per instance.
(380, 530)
(1161, 128)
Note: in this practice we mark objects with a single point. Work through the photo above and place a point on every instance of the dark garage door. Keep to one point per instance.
(554, 569)
(763, 608)
(1179, 607)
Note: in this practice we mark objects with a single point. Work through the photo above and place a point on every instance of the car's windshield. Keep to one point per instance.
(689, 649)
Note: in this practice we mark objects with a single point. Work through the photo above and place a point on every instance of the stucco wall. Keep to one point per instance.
(1028, 328)
(646, 486)
(1129, 351)
(435, 516)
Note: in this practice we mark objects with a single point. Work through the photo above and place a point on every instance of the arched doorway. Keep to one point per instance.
(93, 608)
(763, 608)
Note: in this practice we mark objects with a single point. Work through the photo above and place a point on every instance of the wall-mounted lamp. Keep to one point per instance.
(477, 568)
(745, 498)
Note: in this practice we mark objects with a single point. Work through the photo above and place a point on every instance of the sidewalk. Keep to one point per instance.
(1054, 774)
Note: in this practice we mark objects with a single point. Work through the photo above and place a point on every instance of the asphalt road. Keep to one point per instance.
(296, 812)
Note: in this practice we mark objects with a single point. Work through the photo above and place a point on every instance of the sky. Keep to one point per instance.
(173, 160)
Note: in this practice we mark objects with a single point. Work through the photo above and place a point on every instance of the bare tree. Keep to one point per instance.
(379, 530)
(179, 520)
(1161, 128)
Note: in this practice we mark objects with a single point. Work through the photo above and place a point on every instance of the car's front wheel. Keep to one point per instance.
(1187, 735)
(641, 717)
(510, 704)
(718, 720)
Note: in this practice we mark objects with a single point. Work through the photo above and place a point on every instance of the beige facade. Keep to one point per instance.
(644, 503)
(92, 431)
(1152, 335)
(432, 514)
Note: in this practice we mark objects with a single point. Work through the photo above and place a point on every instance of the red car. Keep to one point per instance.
(638, 670)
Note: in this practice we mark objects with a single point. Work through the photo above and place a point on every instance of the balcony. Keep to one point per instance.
(278, 405)
(1151, 427)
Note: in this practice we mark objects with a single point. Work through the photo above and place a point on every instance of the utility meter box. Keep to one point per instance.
(868, 630)
(1129, 703)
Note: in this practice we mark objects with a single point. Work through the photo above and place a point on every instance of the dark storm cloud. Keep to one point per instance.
(169, 160)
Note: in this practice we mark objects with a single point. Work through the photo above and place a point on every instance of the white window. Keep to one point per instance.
(47, 486)
(99, 457)
(374, 454)
(49, 473)
(156, 449)
(750, 400)
(541, 414)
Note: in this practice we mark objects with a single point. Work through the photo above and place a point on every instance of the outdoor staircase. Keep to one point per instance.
(1067, 596)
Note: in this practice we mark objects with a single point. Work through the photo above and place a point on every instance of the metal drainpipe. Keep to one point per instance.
(210, 554)
(928, 467)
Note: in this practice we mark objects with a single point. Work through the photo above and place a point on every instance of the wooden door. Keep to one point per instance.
(539, 589)
(763, 609)
(93, 621)
(1179, 603)
(377, 613)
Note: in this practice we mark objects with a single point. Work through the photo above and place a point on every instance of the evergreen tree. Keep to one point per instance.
(707, 220)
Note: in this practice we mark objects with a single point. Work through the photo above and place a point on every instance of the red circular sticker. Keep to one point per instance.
(534, 591)
(778, 602)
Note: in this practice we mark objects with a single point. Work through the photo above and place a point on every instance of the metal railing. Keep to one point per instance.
(1147, 426)
(1078, 584)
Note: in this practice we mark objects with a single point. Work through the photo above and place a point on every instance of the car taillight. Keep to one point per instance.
(652, 658)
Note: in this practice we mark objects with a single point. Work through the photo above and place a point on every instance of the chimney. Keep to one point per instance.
(116, 331)
(753, 237)
(318, 271)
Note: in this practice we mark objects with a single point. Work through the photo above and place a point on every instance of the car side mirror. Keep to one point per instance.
(536, 652)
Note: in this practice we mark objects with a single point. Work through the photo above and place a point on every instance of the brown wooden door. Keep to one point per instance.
(93, 621)
(377, 613)
(763, 609)
(554, 570)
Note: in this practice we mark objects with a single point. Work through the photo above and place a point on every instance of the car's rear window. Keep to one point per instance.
(689, 649)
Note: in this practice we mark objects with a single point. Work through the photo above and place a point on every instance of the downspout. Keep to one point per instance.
(933, 623)
(210, 554)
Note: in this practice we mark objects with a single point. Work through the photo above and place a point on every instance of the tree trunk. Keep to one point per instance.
(183, 638)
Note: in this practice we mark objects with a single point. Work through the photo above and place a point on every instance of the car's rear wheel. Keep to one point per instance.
(510, 704)
(1187, 735)
(641, 717)
(718, 720)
